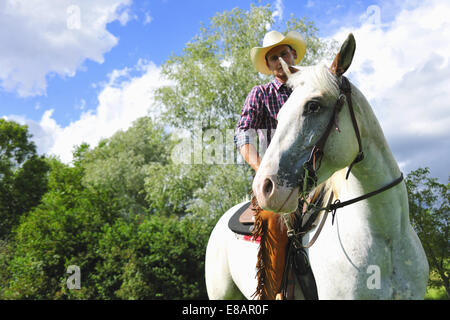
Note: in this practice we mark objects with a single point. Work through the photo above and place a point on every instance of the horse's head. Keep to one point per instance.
(315, 135)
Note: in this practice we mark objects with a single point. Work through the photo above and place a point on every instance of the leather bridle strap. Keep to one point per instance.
(346, 89)
(318, 148)
(317, 151)
(322, 223)
(338, 204)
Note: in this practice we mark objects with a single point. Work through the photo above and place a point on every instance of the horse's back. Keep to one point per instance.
(218, 277)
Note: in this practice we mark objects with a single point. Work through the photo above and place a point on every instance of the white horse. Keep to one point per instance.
(371, 251)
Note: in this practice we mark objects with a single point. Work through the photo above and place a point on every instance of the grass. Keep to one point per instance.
(436, 293)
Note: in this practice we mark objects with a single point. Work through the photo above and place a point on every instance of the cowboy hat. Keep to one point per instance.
(273, 39)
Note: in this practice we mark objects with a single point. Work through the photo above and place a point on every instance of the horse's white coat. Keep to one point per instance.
(369, 236)
(230, 266)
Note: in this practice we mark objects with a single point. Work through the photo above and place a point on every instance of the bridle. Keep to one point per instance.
(316, 155)
(301, 222)
(312, 165)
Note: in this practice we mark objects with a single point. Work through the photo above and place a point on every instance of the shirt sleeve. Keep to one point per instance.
(250, 119)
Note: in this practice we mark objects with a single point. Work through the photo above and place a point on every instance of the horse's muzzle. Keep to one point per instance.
(273, 196)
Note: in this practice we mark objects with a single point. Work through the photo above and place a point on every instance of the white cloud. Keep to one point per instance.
(278, 12)
(147, 18)
(402, 67)
(43, 38)
(122, 100)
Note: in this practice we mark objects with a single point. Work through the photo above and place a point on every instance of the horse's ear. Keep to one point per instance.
(344, 57)
(289, 70)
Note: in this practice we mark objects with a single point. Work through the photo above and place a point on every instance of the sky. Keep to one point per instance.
(78, 71)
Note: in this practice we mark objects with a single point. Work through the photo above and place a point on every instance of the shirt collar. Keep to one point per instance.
(277, 84)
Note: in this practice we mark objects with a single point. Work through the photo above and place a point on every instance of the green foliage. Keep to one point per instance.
(119, 164)
(61, 231)
(23, 175)
(81, 222)
(170, 188)
(225, 186)
(429, 208)
(158, 258)
(15, 145)
(435, 289)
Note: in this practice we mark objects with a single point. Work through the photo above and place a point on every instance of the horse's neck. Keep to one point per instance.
(377, 170)
(379, 166)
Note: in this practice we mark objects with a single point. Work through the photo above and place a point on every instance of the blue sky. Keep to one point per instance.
(66, 80)
(169, 26)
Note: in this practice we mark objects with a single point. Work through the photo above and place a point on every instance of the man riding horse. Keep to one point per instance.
(259, 115)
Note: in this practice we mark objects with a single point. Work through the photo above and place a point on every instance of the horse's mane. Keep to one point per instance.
(317, 76)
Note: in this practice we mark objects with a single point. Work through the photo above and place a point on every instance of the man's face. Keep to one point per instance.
(273, 63)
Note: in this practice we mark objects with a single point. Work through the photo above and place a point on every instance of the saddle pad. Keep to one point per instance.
(238, 227)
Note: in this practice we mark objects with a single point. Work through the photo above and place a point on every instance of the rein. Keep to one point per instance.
(337, 204)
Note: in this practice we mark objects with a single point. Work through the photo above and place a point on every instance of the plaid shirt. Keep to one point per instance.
(259, 113)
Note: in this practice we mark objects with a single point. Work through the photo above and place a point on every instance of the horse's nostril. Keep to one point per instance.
(268, 187)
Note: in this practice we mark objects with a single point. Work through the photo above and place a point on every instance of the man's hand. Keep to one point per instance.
(251, 156)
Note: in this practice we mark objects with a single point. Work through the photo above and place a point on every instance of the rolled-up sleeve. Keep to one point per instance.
(250, 119)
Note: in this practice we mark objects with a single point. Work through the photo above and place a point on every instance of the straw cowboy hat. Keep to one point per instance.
(273, 39)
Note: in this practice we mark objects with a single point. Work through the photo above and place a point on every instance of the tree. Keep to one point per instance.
(23, 175)
(429, 210)
(214, 74)
(62, 230)
(153, 257)
(211, 79)
(119, 163)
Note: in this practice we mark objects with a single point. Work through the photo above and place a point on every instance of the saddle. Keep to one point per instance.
(242, 222)
(278, 262)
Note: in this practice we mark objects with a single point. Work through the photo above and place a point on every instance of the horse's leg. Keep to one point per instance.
(219, 282)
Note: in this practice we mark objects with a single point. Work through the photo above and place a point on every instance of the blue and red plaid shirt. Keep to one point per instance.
(259, 113)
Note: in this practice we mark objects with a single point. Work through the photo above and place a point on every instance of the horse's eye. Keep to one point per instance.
(312, 107)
